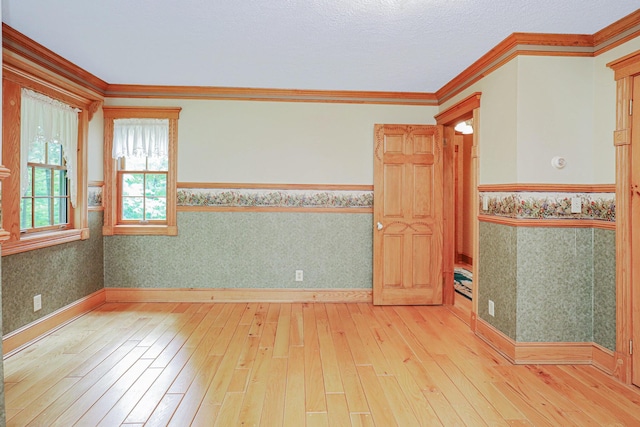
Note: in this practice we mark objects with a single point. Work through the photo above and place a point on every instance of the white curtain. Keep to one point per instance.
(140, 138)
(45, 119)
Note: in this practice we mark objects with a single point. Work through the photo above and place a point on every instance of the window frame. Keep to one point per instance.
(50, 168)
(112, 187)
(18, 242)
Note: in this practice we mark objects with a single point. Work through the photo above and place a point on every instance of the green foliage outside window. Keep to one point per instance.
(144, 189)
(46, 202)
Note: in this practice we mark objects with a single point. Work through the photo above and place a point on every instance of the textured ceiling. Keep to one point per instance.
(368, 45)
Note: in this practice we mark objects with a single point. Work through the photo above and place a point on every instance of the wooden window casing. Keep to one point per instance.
(15, 77)
(112, 195)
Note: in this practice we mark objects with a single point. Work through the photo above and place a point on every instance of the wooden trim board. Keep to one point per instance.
(556, 353)
(20, 338)
(256, 186)
(238, 295)
(551, 223)
(271, 209)
(547, 188)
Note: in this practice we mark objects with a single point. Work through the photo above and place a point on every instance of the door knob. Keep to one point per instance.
(380, 226)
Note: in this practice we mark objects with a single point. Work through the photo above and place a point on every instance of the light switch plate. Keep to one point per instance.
(576, 205)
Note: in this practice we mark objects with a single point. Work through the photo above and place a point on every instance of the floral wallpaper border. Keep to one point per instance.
(537, 205)
(275, 198)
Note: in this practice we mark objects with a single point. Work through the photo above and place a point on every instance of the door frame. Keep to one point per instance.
(627, 262)
(465, 109)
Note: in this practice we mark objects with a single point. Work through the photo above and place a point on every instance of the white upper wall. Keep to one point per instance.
(276, 142)
(605, 111)
(535, 107)
(498, 123)
(94, 147)
(555, 116)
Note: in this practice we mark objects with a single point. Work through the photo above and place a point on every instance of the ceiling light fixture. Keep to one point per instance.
(465, 127)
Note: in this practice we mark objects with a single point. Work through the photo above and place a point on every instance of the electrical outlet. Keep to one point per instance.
(492, 308)
(485, 203)
(299, 275)
(576, 205)
(37, 302)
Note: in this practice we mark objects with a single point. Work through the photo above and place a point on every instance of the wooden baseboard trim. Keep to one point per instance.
(238, 295)
(21, 338)
(604, 359)
(555, 353)
(538, 353)
(496, 339)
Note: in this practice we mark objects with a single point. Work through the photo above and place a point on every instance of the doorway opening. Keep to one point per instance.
(460, 206)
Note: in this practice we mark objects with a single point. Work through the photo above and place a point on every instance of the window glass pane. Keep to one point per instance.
(134, 163)
(30, 179)
(42, 212)
(59, 182)
(132, 208)
(158, 163)
(133, 184)
(25, 213)
(55, 154)
(43, 182)
(37, 152)
(156, 185)
(156, 208)
(59, 210)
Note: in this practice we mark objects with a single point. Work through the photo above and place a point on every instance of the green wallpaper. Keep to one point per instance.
(497, 276)
(30, 273)
(555, 285)
(548, 284)
(247, 250)
(604, 288)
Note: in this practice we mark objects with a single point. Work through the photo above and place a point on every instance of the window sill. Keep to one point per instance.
(142, 230)
(43, 240)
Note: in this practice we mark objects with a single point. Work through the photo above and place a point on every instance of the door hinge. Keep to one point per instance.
(630, 346)
(631, 107)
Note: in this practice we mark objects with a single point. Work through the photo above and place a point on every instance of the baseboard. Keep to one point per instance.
(237, 295)
(18, 339)
(604, 359)
(556, 353)
(496, 339)
(464, 259)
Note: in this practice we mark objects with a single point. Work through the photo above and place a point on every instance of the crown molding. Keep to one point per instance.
(277, 95)
(514, 45)
(539, 44)
(16, 42)
(617, 33)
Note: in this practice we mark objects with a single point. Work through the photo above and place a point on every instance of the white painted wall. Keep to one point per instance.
(555, 117)
(498, 123)
(94, 147)
(605, 111)
(279, 142)
(534, 108)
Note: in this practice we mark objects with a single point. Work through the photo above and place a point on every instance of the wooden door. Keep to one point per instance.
(408, 206)
(635, 235)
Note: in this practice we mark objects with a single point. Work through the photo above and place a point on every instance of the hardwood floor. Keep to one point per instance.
(186, 364)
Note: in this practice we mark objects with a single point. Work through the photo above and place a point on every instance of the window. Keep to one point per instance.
(143, 189)
(44, 201)
(45, 205)
(140, 172)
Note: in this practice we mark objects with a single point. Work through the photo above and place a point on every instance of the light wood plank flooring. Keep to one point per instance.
(160, 364)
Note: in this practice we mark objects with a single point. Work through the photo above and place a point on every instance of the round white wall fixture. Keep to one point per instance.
(558, 162)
